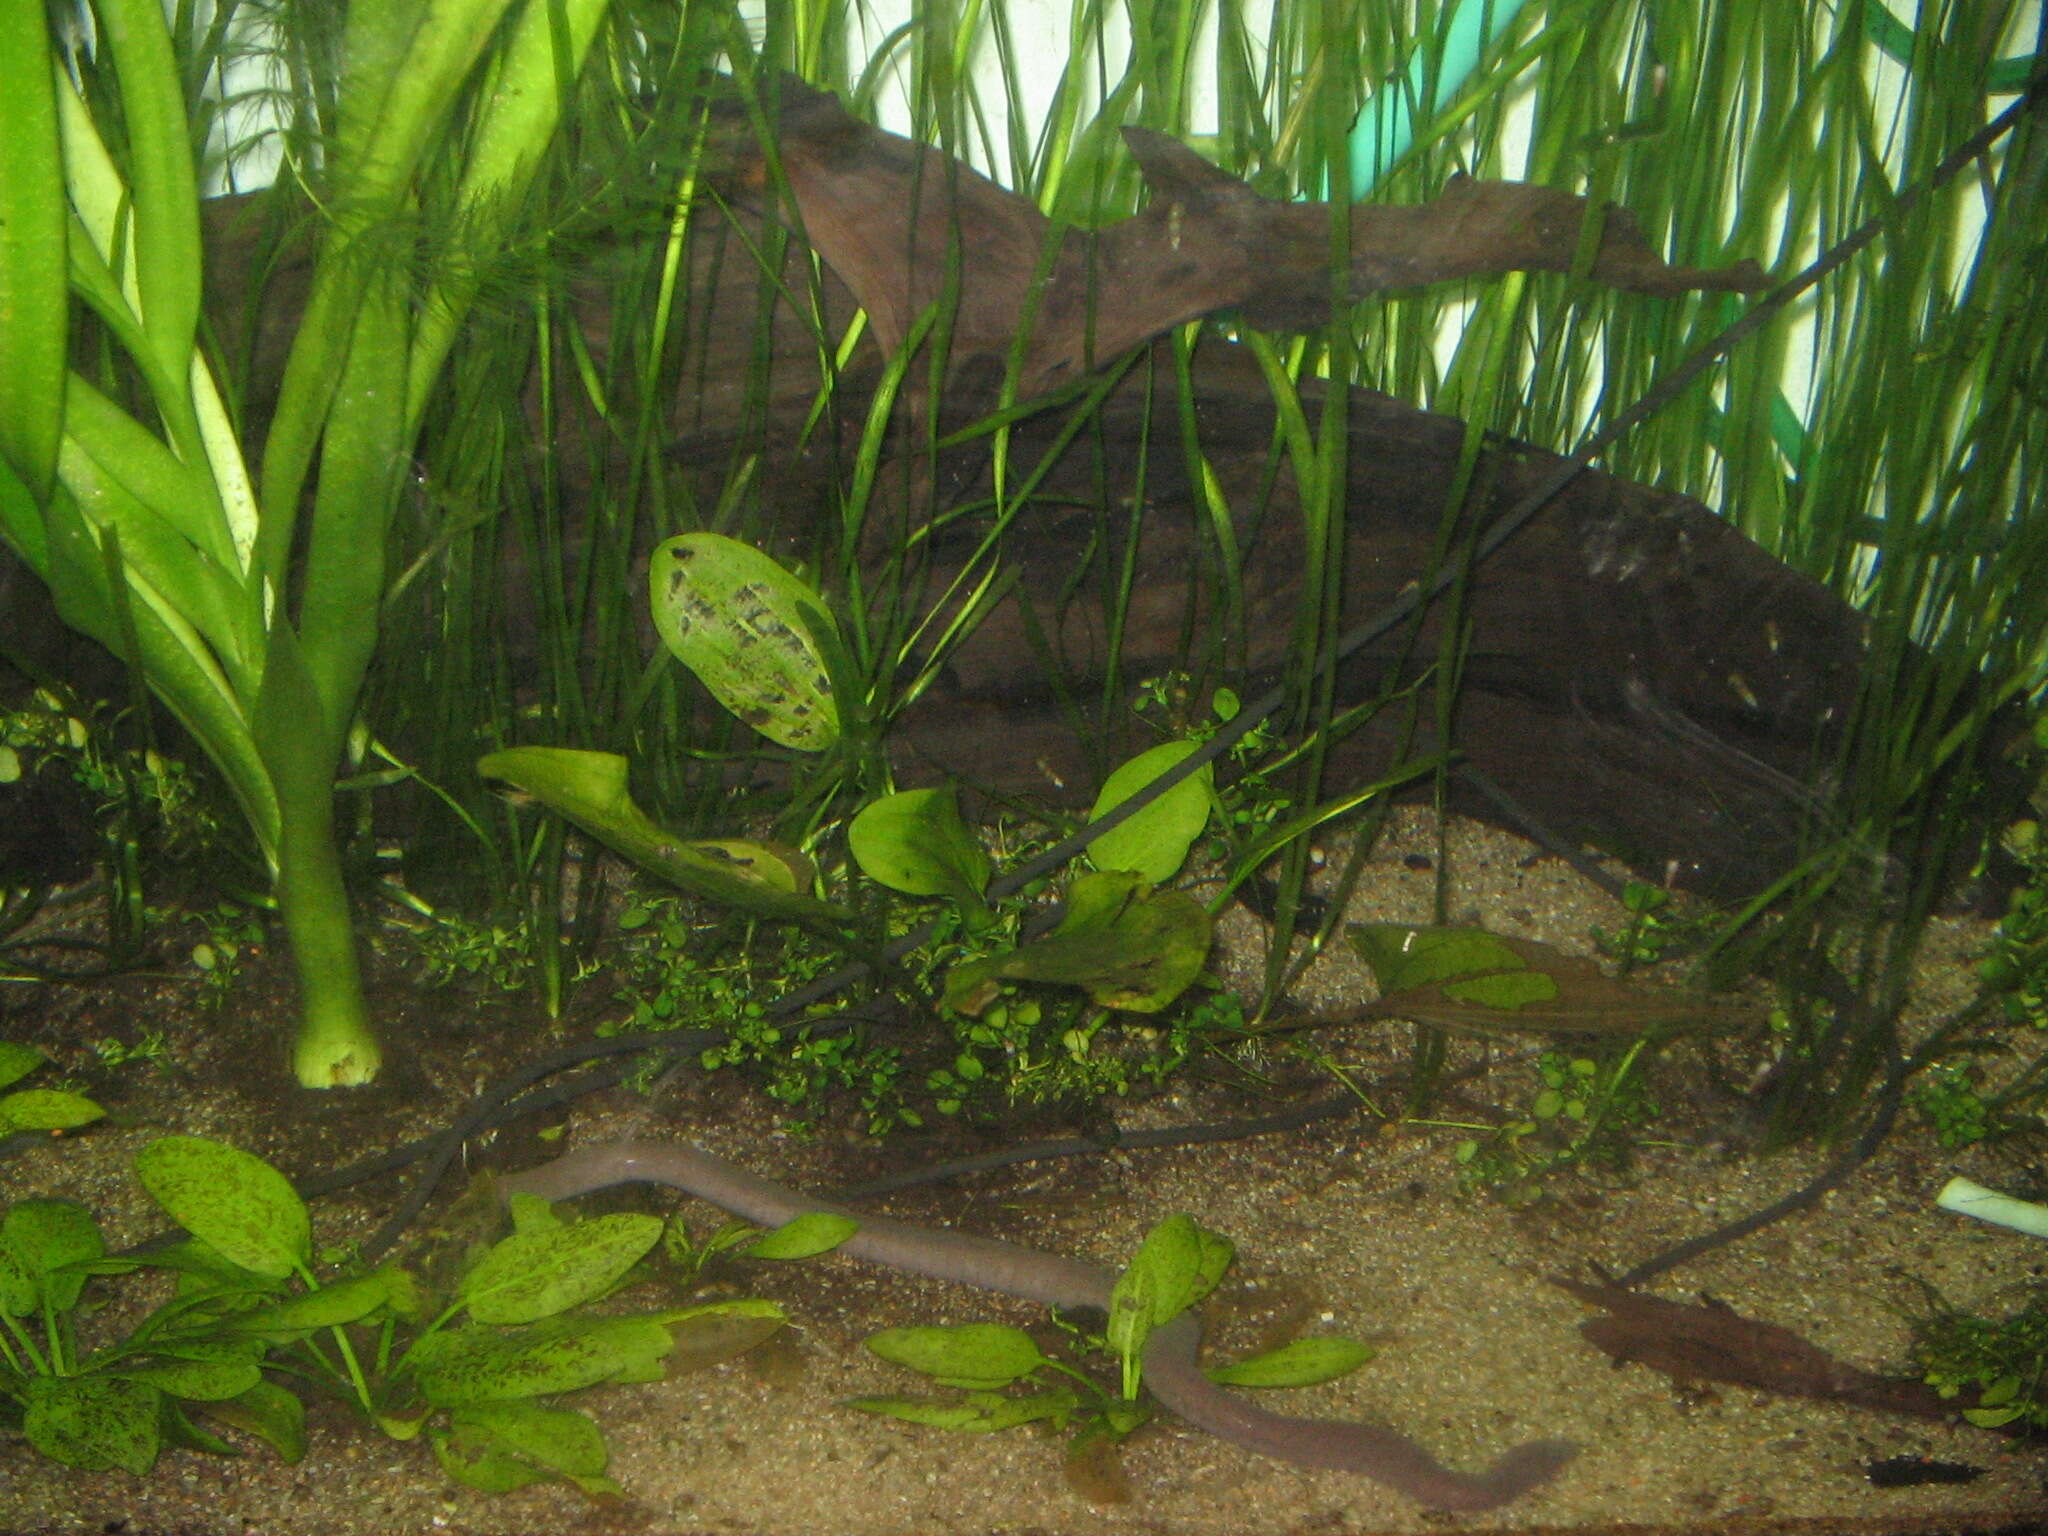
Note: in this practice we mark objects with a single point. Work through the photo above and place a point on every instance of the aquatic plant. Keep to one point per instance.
(125, 484)
(1002, 1378)
(476, 1373)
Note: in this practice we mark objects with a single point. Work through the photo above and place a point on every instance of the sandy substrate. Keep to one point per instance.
(1355, 1227)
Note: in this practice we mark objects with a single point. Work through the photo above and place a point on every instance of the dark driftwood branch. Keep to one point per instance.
(900, 221)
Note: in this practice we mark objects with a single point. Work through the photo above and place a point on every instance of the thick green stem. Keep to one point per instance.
(337, 1046)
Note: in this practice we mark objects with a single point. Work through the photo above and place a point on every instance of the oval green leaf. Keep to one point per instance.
(746, 627)
(93, 1423)
(540, 1273)
(17, 1061)
(915, 842)
(1154, 842)
(46, 1109)
(978, 1355)
(560, 1439)
(40, 1238)
(1299, 1363)
(802, 1237)
(236, 1203)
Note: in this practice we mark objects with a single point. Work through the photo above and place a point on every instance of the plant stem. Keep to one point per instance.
(336, 1045)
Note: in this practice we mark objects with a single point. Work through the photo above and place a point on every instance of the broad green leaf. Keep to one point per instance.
(1129, 946)
(589, 788)
(471, 1454)
(271, 1414)
(745, 627)
(34, 221)
(803, 1237)
(459, 1367)
(202, 1380)
(17, 1061)
(915, 842)
(978, 1413)
(236, 1203)
(329, 1306)
(93, 1423)
(1155, 841)
(1298, 1363)
(45, 1237)
(46, 1109)
(560, 1439)
(536, 1274)
(18, 1293)
(1178, 1264)
(977, 1355)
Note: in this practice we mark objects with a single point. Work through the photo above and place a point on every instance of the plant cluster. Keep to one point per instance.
(2002, 1362)
(1589, 1112)
(1946, 1095)
(2017, 967)
(1001, 1377)
(255, 1319)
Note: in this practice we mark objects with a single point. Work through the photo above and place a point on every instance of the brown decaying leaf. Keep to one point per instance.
(1588, 1002)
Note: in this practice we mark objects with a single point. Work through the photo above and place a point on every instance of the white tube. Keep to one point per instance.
(1989, 1205)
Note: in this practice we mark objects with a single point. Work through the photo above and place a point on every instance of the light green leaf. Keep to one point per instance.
(1154, 842)
(93, 1423)
(17, 1061)
(589, 788)
(201, 1380)
(560, 1439)
(329, 1306)
(235, 1202)
(166, 193)
(34, 220)
(915, 842)
(746, 627)
(804, 1237)
(977, 1355)
(45, 1238)
(46, 1109)
(460, 1367)
(1178, 1264)
(1298, 1363)
(540, 1273)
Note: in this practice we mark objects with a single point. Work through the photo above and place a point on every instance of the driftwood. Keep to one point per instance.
(1710, 1342)
(1638, 676)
